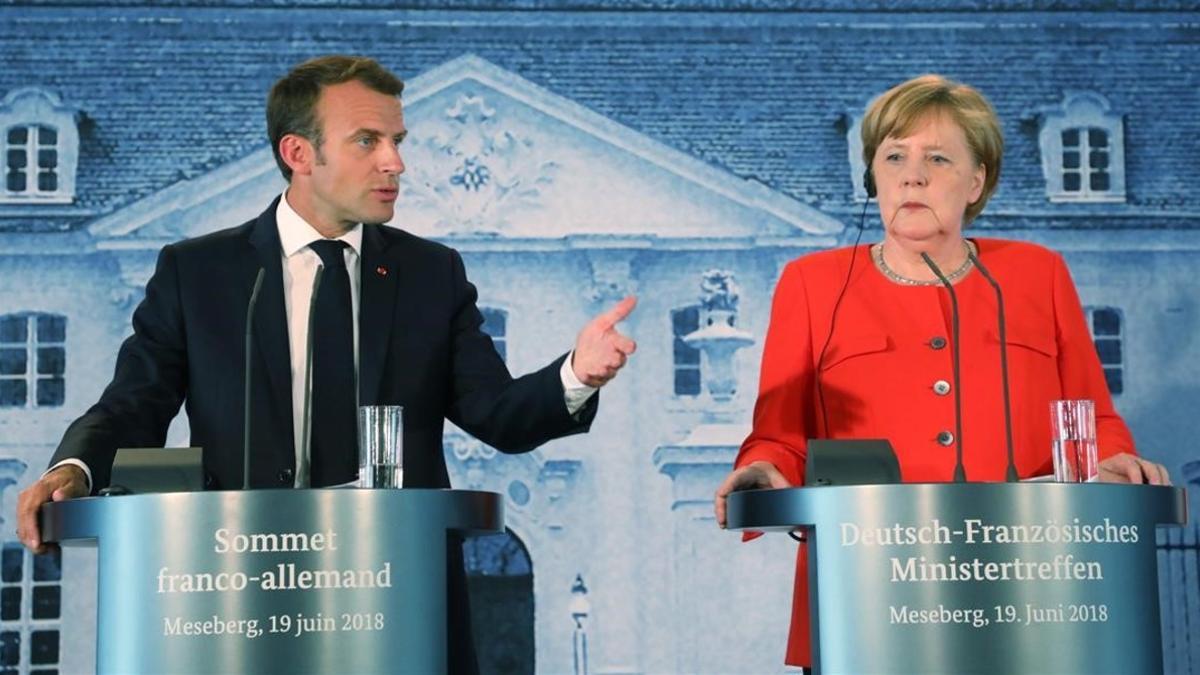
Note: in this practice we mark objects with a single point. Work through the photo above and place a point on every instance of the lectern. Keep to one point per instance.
(977, 578)
(273, 581)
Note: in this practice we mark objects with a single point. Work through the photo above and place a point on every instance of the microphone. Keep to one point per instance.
(258, 280)
(306, 411)
(960, 472)
(1011, 471)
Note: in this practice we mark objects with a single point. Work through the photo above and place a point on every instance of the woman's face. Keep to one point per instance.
(926, 181)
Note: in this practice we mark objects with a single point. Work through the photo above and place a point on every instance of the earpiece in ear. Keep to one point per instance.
(869, 183)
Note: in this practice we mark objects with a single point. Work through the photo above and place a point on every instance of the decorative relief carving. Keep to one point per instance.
(481, 467)
(11, 470)
(718, 338)
(475, 457)
(135, 269)
(719, 291)
(558, 476)
(474, 171)
(612, 276)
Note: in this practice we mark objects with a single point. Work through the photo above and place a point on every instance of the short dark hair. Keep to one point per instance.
(292, 103)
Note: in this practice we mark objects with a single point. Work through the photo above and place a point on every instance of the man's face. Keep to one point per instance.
(352, 178)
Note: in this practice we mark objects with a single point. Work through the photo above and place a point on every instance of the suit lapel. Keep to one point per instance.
(379, 276)
(270, 316)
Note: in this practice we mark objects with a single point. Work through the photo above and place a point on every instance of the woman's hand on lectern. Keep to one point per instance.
(750, 477)
(1127, 468)
(65, 482)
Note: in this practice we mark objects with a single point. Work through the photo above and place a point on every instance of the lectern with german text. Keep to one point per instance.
(977, 578)
(273, 581)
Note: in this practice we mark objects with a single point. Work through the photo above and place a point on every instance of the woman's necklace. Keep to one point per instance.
(881, 264)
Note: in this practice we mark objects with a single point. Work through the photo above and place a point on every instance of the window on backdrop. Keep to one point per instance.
(30, 610)
(39, 148)
(1082, 143)
(685, 359)
(1107, 329)
(33, 357)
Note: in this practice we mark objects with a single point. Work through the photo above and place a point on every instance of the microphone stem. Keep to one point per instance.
(960, 471)
(1011, 470)
(306, 420)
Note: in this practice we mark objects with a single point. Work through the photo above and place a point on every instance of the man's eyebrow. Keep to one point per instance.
(375, 133)
(367, 131)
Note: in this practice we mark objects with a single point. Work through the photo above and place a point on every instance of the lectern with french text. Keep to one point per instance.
(977, 577)
(273, 581)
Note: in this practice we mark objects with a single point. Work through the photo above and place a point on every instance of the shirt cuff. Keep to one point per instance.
(74, 462)
(575, 393)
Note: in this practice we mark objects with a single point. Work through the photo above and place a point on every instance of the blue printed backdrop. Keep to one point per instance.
(577, 151)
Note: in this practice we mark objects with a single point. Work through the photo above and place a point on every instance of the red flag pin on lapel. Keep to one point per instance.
(381, 271)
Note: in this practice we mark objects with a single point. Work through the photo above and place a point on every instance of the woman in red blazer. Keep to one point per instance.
(883, 370)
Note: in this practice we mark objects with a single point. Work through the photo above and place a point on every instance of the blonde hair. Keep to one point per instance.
(899, 110)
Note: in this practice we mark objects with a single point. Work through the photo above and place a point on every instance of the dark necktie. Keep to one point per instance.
(333, 458)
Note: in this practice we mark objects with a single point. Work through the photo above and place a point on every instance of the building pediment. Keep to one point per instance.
(492, 156)
(491, 153)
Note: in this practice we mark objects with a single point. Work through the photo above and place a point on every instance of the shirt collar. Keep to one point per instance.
(295, 234)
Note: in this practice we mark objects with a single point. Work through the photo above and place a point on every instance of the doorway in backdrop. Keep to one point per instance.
(500, 579)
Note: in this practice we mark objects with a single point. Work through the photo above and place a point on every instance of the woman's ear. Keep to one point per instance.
(978, 179)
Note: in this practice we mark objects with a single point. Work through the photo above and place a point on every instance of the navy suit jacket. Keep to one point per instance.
(420, 346)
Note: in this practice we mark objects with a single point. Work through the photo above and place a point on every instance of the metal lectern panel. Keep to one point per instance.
(978, 578)
(273, 581)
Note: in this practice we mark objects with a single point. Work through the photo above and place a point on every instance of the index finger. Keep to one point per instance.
(1134, 472)
(1156, 473)
(719, 509)
(618, 313)
(723, 491)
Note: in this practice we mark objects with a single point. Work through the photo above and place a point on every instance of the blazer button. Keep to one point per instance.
(945, 438)
(938, 342)
(286, 477)
(941, 387)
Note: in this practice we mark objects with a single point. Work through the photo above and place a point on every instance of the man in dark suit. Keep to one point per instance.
(394, 322)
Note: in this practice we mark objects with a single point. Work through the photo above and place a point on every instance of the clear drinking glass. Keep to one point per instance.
(1073, 434)
(380, 446)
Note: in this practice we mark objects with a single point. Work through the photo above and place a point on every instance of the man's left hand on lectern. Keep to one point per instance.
(65, 482)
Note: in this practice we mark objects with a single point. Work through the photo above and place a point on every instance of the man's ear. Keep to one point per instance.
(298, 153)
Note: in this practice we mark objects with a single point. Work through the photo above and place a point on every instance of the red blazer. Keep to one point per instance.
(885, 356)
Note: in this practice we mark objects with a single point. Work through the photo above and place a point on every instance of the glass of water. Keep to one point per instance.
(1073, 434)
(380, 446)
